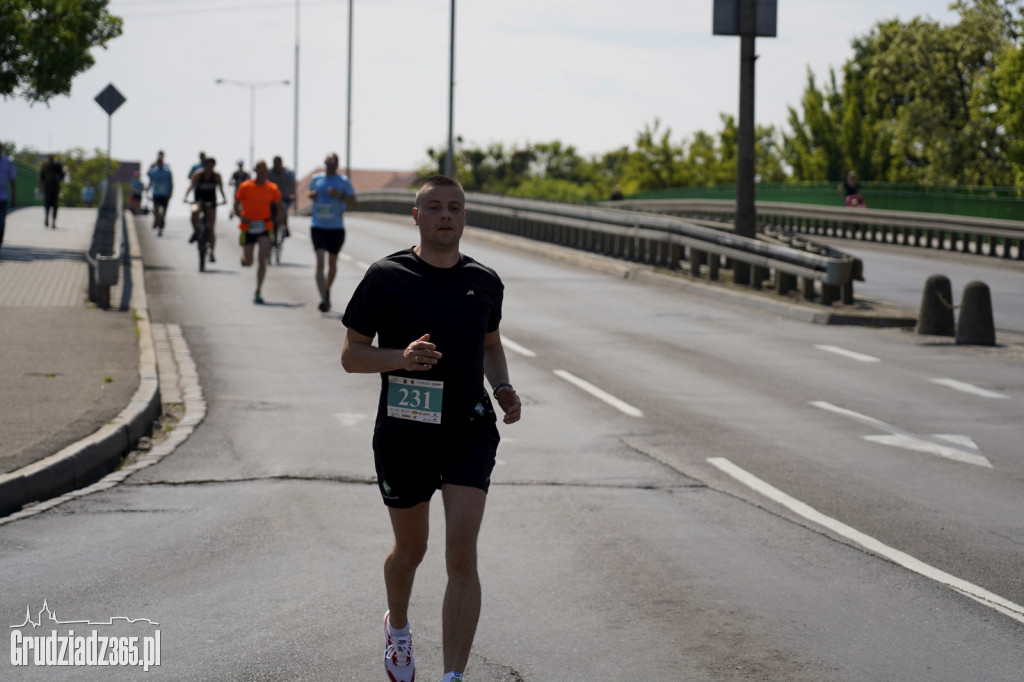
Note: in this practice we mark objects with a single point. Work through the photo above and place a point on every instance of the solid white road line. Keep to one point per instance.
(979, 594)
(969, 388)
(513, 346)
(968, 454)
(859, 357)
(620, 405)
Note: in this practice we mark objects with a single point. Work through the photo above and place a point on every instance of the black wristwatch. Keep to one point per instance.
(499, 388)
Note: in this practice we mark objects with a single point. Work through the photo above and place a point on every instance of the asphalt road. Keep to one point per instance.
(697, 491)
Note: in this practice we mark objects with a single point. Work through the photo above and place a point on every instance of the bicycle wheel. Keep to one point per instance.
(201, 244)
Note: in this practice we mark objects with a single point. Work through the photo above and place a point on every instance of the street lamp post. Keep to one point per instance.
(449, 159)
(252, 85)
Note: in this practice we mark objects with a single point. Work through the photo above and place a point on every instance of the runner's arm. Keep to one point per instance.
(191, 183)
(496, 371)
(358, 355)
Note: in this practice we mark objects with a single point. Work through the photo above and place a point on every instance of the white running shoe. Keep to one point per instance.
(398, 659)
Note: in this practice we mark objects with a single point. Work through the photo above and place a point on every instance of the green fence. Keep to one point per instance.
(1004, 203)
(28, 180)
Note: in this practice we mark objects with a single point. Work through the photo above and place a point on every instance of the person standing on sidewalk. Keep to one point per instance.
(51, 174)
(257, 201)
(161, 184)
(435, 313)
(331, 193)
(8, 178)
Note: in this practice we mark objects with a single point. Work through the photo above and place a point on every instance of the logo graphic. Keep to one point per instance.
(470, 293)
(93, 649)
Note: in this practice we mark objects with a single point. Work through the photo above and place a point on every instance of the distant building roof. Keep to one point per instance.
(362, 180)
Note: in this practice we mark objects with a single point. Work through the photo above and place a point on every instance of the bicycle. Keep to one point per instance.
(202, 235)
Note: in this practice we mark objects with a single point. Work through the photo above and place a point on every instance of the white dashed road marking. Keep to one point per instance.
(969, 388)
(620, 405)
(853, 355)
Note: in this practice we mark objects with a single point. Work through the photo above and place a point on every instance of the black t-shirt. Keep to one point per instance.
(402, 297)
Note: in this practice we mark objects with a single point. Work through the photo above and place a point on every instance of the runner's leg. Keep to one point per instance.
(464, 512)
(411, 528)
(321, 283)
(261, 270)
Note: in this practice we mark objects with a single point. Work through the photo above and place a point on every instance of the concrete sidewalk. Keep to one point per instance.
(77, 384)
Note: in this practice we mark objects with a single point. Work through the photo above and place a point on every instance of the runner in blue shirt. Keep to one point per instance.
(161, 184)
(331, 193)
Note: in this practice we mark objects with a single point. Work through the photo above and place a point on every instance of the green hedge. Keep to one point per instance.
(1005, 203)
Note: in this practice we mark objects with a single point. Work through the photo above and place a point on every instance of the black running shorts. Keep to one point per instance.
(250, 238)
(414, 460)
(328, 239)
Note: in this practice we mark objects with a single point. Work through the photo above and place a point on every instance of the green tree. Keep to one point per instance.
(44, 44)
(916, 104)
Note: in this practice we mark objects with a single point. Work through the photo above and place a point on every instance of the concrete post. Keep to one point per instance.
(936, 314)
(976, 325)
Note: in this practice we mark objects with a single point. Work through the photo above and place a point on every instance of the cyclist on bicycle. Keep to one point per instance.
(205, 183)
(257, 201)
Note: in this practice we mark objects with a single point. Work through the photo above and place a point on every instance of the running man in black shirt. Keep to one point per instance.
(435, 313)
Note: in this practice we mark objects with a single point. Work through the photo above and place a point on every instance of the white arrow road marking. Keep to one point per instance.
(969, 388)
(593, 390)
(966, 450)
(859, 357)
(513, 346)
(979, 594)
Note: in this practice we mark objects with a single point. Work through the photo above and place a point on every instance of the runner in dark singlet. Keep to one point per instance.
(204, 185)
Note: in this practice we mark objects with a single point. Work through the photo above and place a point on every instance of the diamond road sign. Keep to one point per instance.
(110, 99)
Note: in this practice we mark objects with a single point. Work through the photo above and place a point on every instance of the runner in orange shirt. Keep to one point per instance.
(257, 201)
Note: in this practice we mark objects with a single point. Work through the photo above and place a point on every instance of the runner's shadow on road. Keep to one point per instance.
(27, 254)
(275, 304)
(299, 266)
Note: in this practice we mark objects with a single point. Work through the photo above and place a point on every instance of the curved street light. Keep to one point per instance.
(252, 85)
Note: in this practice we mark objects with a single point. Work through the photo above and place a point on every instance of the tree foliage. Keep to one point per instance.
(83, 168)
(44, 44)
(920, 102)
(917, 102)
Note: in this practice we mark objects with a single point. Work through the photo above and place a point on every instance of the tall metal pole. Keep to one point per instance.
(295, 116)
(110, 118)
(252, 125)
(449, 159)
(252, 85)
(348, 106)
(746, 218)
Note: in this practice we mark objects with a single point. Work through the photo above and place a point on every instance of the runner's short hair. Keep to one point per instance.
(436, 181)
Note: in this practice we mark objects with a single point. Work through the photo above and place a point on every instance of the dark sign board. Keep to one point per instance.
(110, 99)
(727, 19)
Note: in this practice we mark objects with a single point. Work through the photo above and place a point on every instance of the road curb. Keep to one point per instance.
(83, 462)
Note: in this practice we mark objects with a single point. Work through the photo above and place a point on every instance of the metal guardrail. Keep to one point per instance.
(658, 240)
(107, 251)
(983, 236)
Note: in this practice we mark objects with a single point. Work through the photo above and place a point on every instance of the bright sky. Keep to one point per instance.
(587, 73)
